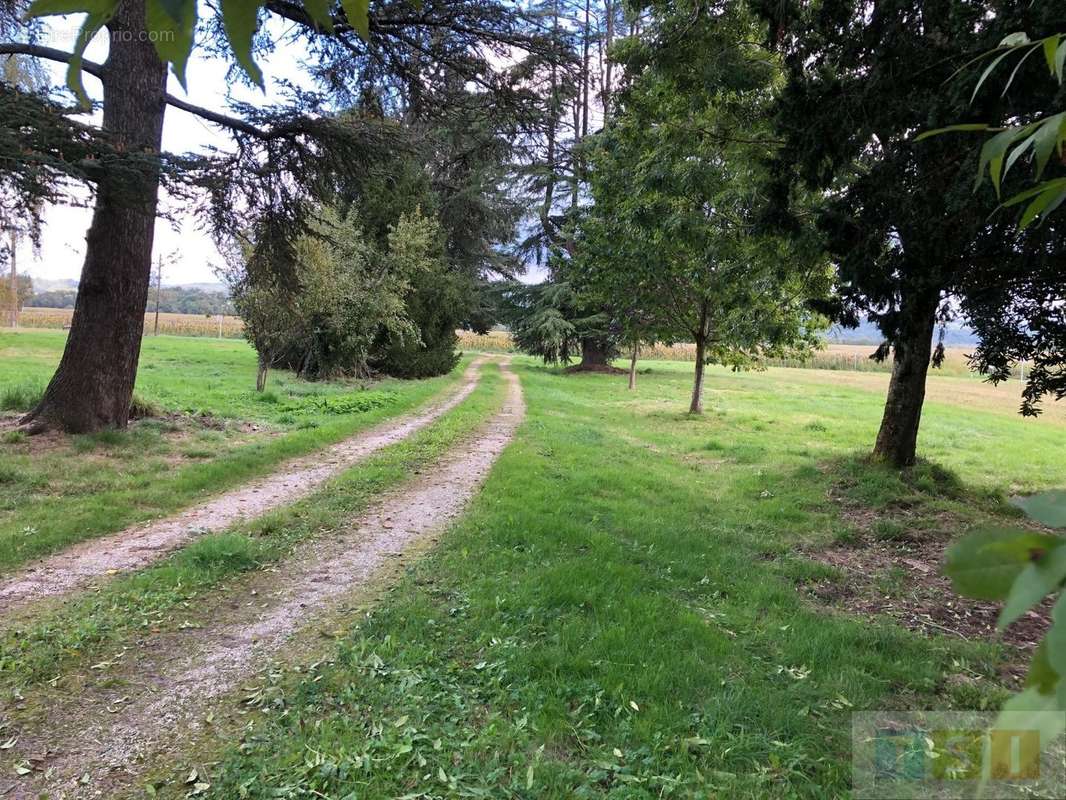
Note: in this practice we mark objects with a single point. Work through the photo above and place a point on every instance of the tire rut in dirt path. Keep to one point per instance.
(143, 544)
(98, 742)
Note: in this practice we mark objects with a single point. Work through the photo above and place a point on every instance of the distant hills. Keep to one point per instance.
(194, 298)
(71, 284)
(956, 335)
(209, 287)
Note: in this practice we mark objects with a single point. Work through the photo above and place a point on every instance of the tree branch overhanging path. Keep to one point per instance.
(382, 75)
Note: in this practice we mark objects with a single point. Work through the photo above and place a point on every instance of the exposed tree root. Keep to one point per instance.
(606, 369)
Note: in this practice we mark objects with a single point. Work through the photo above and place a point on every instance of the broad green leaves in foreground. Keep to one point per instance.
(1021, 568)
(1047, 508)
(171, 25)
(1038, 140)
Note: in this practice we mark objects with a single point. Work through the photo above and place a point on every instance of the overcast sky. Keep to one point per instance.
(63, 238)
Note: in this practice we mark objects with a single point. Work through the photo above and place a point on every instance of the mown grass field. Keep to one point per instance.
(211, 431)
(625, 612)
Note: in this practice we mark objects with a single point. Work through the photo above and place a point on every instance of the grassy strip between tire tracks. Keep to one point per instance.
(92, 630)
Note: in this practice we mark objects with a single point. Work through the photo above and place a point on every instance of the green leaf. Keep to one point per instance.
(1047, 508)
(975, 126)
(1044, 204)
(357, 13)
(1028, 711)
(1046, 138)
(1060, 61)
(97, 12)
(44, 8)
(1042, 674)
(1017, 153)
(987, 72)
(1016, 39)
(175, 43)
(241, 20)
(1040, 188)
(1017, 67)
(993, 152)
(319, 10)
(985, 564)
(1033, 584)
(89, 28)
(1054, 644)
(1051, 45)
(175, 9)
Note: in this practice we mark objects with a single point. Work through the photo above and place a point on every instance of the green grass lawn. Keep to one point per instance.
(622, 613)
(213, 432)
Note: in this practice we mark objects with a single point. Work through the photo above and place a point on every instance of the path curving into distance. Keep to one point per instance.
(167, 689)
(139, 546)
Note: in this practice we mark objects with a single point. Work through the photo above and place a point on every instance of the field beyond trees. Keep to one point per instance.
(170, 324)
(848, 357)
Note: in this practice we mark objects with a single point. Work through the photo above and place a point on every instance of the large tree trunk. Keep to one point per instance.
(633, 366)
(594, 355)
(93, 386)
(898, 437)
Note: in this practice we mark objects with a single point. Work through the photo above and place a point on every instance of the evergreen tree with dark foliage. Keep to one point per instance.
(913, 244)
(286, 161)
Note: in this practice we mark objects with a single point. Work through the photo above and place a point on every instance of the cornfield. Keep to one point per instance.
(849, 357)
(491, 342)
(224, 327)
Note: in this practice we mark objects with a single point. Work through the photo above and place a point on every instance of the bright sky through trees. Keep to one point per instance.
(63, 240)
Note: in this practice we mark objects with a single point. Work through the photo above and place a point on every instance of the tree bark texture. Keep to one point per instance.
(897, 439)
(93, 385)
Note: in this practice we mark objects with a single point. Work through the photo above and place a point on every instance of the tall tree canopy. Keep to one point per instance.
(913, 244)
(673, 239)
(553, 321)
(415, 64)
